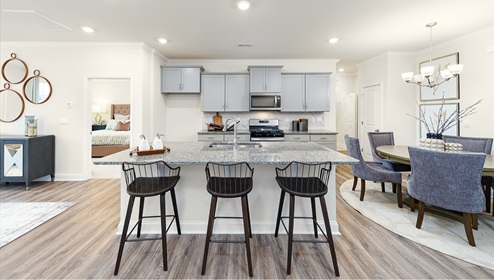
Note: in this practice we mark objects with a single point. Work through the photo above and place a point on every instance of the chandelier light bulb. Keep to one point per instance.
(418, 78)
(455, 69)
(427, 70)
(446, 74)
(407, 77)
(243, 5)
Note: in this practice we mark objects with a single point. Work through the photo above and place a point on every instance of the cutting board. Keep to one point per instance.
(218, 119)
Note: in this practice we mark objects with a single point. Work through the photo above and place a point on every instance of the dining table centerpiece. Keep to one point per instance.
(438, 122)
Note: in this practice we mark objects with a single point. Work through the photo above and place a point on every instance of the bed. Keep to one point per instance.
(107, 142)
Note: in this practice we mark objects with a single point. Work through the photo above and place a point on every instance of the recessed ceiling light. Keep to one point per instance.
(162, 40)
(87, 29)
(341, 69)
(243, 5)
(334, 40)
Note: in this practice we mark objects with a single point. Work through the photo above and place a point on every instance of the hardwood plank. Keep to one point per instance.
(81, 243)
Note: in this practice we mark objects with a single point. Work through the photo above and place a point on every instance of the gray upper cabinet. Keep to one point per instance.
(293, 93)
(265, 78)
(305, 93)
(225, 93)
(178, 79)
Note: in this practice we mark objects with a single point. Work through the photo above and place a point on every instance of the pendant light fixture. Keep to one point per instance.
(428, 77)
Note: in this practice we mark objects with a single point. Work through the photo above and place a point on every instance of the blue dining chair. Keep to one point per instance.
(450, 181)
(371, 171)
(477, 145)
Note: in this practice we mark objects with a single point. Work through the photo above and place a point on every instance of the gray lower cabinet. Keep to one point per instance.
(23, 159)
(326, 140)
(222, 137)
(225, 93)
(305, 92)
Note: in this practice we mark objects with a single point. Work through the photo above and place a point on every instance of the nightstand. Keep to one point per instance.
(98, 126)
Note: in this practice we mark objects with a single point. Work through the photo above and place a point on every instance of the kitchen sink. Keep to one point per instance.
(230, 145)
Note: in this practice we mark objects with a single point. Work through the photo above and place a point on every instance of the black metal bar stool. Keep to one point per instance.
(229, 181)
(310, 181)
(146, 180)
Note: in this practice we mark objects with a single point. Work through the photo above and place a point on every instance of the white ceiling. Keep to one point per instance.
(277, 29)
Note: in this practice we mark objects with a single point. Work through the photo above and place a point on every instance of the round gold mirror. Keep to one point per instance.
(11, 104)
(14, 70)
(37, 89)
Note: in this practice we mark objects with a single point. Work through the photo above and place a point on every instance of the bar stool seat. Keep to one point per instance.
(229, 181)
(308, 181)
(147, 180)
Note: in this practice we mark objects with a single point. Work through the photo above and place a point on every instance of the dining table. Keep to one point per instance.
(399, 153)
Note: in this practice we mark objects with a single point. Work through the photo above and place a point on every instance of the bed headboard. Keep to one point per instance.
(123, 109)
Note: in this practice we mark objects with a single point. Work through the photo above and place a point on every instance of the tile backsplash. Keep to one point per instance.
(316, 120)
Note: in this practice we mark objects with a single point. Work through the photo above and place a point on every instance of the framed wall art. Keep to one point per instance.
(437, 119)
(449, 89)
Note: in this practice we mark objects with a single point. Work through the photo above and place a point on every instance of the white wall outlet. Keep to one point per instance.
(70, 104)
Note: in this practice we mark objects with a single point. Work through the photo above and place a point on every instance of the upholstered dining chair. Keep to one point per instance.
(377, 139)
(454, 184)
(371, 171)
(477, 145)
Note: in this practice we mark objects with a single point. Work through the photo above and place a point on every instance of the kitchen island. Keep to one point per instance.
(193, 199)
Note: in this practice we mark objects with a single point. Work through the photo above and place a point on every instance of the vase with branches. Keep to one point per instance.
(440, 121)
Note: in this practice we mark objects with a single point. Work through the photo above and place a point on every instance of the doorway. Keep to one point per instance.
(370, 115)
(103, 93)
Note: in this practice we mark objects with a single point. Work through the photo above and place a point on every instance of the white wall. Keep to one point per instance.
(475, 79)
(69, 66)
(476, 52)
(183, 111)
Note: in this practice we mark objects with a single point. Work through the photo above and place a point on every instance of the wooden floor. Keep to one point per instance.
(81, 243)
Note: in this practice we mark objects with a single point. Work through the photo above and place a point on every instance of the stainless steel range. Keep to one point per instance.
(265, 130)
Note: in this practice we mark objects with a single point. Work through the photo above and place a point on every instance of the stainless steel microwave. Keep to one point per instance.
(265, 102)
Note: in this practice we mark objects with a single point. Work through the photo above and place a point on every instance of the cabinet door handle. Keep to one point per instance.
(324, 138)
(296, 138)
(210, 137)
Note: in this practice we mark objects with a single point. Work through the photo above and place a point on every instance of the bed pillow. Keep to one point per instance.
(123, 126)
(120, 117)
(112, 124)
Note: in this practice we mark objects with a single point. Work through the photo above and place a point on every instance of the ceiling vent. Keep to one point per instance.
(37, 19)
(244, 45)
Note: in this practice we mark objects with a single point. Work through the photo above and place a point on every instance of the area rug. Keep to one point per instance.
(18, 218)
(439, 233)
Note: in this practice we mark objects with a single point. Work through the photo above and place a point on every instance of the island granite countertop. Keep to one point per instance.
(194, 153)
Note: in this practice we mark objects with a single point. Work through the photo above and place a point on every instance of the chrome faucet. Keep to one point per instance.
(234, 130)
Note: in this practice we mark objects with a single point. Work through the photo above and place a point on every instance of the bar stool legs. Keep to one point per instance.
(212, 211)
(124, 232)
(329, 235)
(163, 231)
(291, 218)
(128, 215)
(247, 232)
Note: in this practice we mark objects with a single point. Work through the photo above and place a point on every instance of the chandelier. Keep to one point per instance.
(427, 76)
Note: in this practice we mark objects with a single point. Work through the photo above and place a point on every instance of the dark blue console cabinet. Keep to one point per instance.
(23, 159)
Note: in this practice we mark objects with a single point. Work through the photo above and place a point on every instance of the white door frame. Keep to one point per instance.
(87, 118)
(360, 115)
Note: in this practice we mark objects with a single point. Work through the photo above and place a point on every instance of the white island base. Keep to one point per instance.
(193, 202)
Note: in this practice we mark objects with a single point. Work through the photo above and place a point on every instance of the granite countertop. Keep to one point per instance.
(188, 153)
(243, 131)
